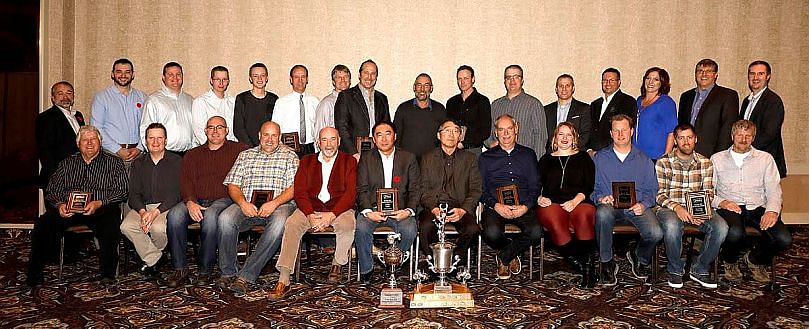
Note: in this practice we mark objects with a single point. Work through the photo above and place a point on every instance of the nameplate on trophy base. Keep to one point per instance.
(391, 298)
(261, 196)
(698, 204)
(387, 200)
(77, 201)
(364, 143)
(623, 194)
(292, 140)
(428, 296)
(508, 195)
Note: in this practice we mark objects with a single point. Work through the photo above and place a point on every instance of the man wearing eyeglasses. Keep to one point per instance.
(418, 118)
(613, 102)
(213, 102)
(170, 106)
(524, 108)
(203, 197)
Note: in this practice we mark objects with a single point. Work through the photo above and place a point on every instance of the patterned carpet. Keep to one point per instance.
(556, 302)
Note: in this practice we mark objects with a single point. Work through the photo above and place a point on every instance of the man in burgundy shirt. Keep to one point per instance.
(203, 197)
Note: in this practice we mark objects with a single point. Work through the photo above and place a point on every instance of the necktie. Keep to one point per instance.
(302, 120)
(79, 118)
(371, 111)
(749, 109)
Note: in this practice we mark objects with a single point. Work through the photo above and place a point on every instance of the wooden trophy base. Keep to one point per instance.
(425, 296)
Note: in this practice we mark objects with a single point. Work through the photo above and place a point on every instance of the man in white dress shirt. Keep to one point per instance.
(171, 106)
(212, 103)
(341, 80)
(295, 112)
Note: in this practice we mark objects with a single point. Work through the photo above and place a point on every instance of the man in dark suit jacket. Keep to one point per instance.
(56, 131)
(766, 109)
(352, 116)
(578, 113)
(398, 169)
(616, 102)
(710, 108)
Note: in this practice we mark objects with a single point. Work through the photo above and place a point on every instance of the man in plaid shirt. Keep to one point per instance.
(679, 172)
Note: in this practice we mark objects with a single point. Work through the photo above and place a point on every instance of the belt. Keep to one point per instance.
(128, 146)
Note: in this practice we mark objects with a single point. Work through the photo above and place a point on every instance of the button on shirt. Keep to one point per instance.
(500, 168)
(368, 96)
(208, 105)
(255, 169)
(117, 116)
(527, 110)
(756, 183)
(70, 115)
(151, 183)
(675, 178)
(104, 178)
(561, 112)
(325, 172)
(174, 112)
(287, 114)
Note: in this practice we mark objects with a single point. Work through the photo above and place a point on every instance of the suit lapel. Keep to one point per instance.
(361, 100)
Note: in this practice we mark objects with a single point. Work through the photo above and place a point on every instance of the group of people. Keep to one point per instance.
(296, 165)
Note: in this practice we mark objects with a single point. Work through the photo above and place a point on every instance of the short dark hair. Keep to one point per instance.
(572, 82)
(123, 61)
(760, 62)
(513, 66)
(445, 122)
(424, 75)
(622, 117)
(219, 68)
(261, 65)
(467, 68)
(367, 61)
(384, 122)
(172, 64)
(707, 62)
(296, 66)
(683, 127)
(63, 82)
(665, 81)
(612, 70)
(156, 125)
(340, 68)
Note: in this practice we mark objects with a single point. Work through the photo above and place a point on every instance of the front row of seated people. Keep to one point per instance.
(566, 192)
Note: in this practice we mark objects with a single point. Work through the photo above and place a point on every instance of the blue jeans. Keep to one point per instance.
(364, 238)
(177, 230)
(646, 223)
(232, 221)
(715, 230)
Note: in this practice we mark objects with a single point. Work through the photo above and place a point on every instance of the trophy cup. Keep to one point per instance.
(391, 296)
(442, 293)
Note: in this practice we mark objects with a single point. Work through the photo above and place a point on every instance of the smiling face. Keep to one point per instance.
(621, 133)
(328, 141)
(564, 88)
(341, 80)
(506, 132)
(743, 139)
(652, 83)
(610, 83)
(513, 80)
(422, 88)
(269, 136)
(89, 144)
(449, 134)
(122, 74)
(299, 79)
(565, 140)
(62, 95)
(757, 77)
(705, 75)
(216, 130)
(258, 77)
(220, 80)
(173, 78)
(384, 137)
(685, 141)
(156, 140)
(368, 73)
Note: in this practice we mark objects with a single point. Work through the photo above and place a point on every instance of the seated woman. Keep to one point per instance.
(567, 177)
(657, 115)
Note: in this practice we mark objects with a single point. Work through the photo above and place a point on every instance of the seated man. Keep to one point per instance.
(266, 167)
(98, 173)
(203, 197)
(325, 190)
(450, 175)
(623, 162)
(509, 163)
(748, 193)
(154, 188)
(681, 171)
(386, 166)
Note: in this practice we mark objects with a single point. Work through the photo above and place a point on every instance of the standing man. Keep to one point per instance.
(766, 110)
(417, 118)
(525, 109)
(359, 108)
(171, 106)
(103, 176)
(623, 162)
(266, 167)
(213, 102)
(154, 188)
(568, 109)
(203, 198)
(508, 163)
(450, 175)
(710, 108)
(602, 109)
(471, 110)
(325, 191)
(386, 167)
(748, 193)
(253, 107)
(324, 114)
(56, 130)
(117, 111)
(682, 171)
(295, 112)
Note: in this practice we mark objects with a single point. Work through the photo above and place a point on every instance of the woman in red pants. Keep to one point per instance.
(567, 176)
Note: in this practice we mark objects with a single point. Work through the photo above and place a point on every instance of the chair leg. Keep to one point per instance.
(542, 258)
(414, 257)
(531, 263)
(61, 256)
(480, 252)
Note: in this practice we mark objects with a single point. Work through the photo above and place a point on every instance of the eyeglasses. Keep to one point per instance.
(708, 71)
(217, 127)
(610, 80)
(454, 131)
(513, 77)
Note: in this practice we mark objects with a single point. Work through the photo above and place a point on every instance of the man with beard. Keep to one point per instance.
(418, 118)
(56, 130)
(214, 102)
(117, 111)
(171, 106)
(359, 108)
(253, 107)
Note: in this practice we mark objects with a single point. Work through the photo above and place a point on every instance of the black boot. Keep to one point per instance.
(569, 252)
(589, 276)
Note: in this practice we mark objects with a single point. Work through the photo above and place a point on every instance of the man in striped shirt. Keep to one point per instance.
(526, 110)
(92, 171)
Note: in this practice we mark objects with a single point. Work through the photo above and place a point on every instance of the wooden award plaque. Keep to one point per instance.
(292, 140)
(699, 205)
(623, 194)
(387, 200)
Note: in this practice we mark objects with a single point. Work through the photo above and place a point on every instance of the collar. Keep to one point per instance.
(429, 103)
(758, 94)
(64, 110)
(708, 90)
(392, 153)
(322, 159)
(169, 92)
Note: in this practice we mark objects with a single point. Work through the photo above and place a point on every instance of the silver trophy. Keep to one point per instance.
(443, 260)
(392, 296)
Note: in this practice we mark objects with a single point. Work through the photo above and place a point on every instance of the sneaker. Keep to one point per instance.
(704, 280)
(515, 265)
(732, 272)
(638, 270)
(503, 272)
(177, 278)
(609, 272)
(239, 287)
(759, 272)
(676, 280)
(204, 279)
(224, 282)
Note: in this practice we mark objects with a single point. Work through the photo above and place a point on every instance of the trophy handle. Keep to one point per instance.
(406, 256)
(381, 256)
(430, 262)
(457, 259)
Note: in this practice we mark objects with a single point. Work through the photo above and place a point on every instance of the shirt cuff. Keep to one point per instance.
(412, 213)
(365, 212)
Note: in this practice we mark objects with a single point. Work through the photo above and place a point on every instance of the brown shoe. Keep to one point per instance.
(335, 274)
(759, 272)
(278, 292)
(515, 265)
(732, 272)
(502, 270)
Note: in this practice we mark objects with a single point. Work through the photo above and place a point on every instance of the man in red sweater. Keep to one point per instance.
(325, 191)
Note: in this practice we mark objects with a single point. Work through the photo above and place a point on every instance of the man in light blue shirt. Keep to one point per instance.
(117, 111)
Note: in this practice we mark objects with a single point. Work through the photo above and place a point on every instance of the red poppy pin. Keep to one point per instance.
(397, 179)
(138, 105)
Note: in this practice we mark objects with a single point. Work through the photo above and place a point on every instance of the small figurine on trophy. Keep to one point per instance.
(391, 296)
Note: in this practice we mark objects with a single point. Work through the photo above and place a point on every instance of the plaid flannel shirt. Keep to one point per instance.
(675, 179)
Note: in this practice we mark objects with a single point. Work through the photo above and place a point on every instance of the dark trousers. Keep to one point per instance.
(50, 227)
(494, 235)
(467, 228)
(771, 241)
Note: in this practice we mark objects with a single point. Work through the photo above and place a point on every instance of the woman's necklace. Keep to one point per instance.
(564, 166)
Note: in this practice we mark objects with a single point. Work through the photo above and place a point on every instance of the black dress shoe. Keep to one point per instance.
(204, 279)
(177, 278)
(367, 277)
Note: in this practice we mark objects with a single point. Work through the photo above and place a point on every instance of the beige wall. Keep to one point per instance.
(81, 39)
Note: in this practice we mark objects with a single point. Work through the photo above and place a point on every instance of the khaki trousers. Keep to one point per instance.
(149, 246)
(296, 226)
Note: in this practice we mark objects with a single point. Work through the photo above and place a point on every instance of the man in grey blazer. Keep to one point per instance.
(568, 109)
(710, 108)
(359, 108)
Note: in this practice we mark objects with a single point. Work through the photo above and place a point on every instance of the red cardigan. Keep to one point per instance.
(342, 185)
